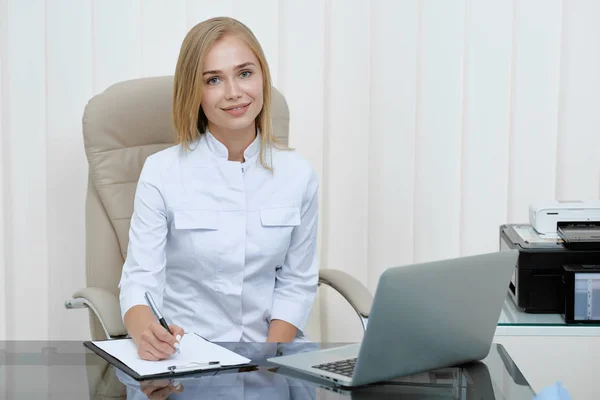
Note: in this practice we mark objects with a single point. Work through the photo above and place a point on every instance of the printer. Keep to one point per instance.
(559, 233)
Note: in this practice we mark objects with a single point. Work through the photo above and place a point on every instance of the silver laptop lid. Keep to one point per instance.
(432, 315)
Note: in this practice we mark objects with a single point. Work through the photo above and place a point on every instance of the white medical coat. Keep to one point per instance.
(224, 247)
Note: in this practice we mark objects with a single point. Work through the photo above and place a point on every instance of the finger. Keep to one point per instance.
(165, 348)
(177, 387)
(149, 355)
(162, 352)
(162, 334)
(162, 340)
(146, 355)
(163, 393)
(152, 386)
(152, 344)
(156, 352)
(177, 331)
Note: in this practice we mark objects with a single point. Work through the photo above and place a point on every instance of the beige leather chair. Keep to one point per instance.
(121, 127)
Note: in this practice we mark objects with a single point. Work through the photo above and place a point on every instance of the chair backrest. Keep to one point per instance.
(121, 127)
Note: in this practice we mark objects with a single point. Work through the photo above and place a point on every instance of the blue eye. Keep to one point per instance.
(213, 81)
(245, 74)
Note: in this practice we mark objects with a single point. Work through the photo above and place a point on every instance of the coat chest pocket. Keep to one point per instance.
(276, 227)
(198, 232)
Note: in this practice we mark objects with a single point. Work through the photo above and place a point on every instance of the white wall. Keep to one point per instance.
(429, 122)
(3, 296)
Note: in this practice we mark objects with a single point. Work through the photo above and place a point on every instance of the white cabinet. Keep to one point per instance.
(546, 350)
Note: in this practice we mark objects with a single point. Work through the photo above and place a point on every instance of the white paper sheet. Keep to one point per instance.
(193, 349)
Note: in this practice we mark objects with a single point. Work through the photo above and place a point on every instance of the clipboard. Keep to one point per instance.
(175, 368)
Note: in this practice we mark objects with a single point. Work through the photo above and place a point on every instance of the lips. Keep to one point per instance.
(237, 107)
(237, 110)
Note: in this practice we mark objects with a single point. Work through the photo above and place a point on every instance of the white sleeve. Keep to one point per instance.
(297, 279)
(144, 268)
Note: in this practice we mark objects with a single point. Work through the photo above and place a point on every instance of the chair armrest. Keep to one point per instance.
(350, 288)
(104, 304)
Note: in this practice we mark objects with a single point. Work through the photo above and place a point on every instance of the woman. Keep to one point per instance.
(223, 233)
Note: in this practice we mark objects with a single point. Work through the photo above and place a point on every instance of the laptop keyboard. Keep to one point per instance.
(342, 367)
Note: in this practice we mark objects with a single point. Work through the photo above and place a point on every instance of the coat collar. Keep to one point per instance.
(207, 146)
(220, 150)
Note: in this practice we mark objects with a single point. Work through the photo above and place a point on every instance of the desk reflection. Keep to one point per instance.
(265, 381)
(259, 382)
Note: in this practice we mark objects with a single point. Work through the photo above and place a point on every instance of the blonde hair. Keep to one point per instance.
(189, 119)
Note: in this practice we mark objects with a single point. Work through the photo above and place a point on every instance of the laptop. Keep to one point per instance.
(424, 316)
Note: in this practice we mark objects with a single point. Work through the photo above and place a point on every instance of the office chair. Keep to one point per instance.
(121, 127)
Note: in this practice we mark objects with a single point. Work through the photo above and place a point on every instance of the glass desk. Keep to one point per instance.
(513, 321)
(68, 370)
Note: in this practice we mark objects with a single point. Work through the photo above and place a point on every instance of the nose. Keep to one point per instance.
(232, 90)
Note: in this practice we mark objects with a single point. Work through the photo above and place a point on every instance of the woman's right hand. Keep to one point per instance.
(155, 343)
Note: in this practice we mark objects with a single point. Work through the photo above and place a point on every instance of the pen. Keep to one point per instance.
(158, 315)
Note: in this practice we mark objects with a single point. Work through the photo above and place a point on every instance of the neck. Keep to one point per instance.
(236, 141)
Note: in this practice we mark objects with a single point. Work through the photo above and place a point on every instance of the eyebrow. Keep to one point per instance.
(244, 65)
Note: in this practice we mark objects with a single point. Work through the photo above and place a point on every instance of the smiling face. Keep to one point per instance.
(232, 94)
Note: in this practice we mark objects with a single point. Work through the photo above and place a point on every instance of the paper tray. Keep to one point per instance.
(580, 235)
